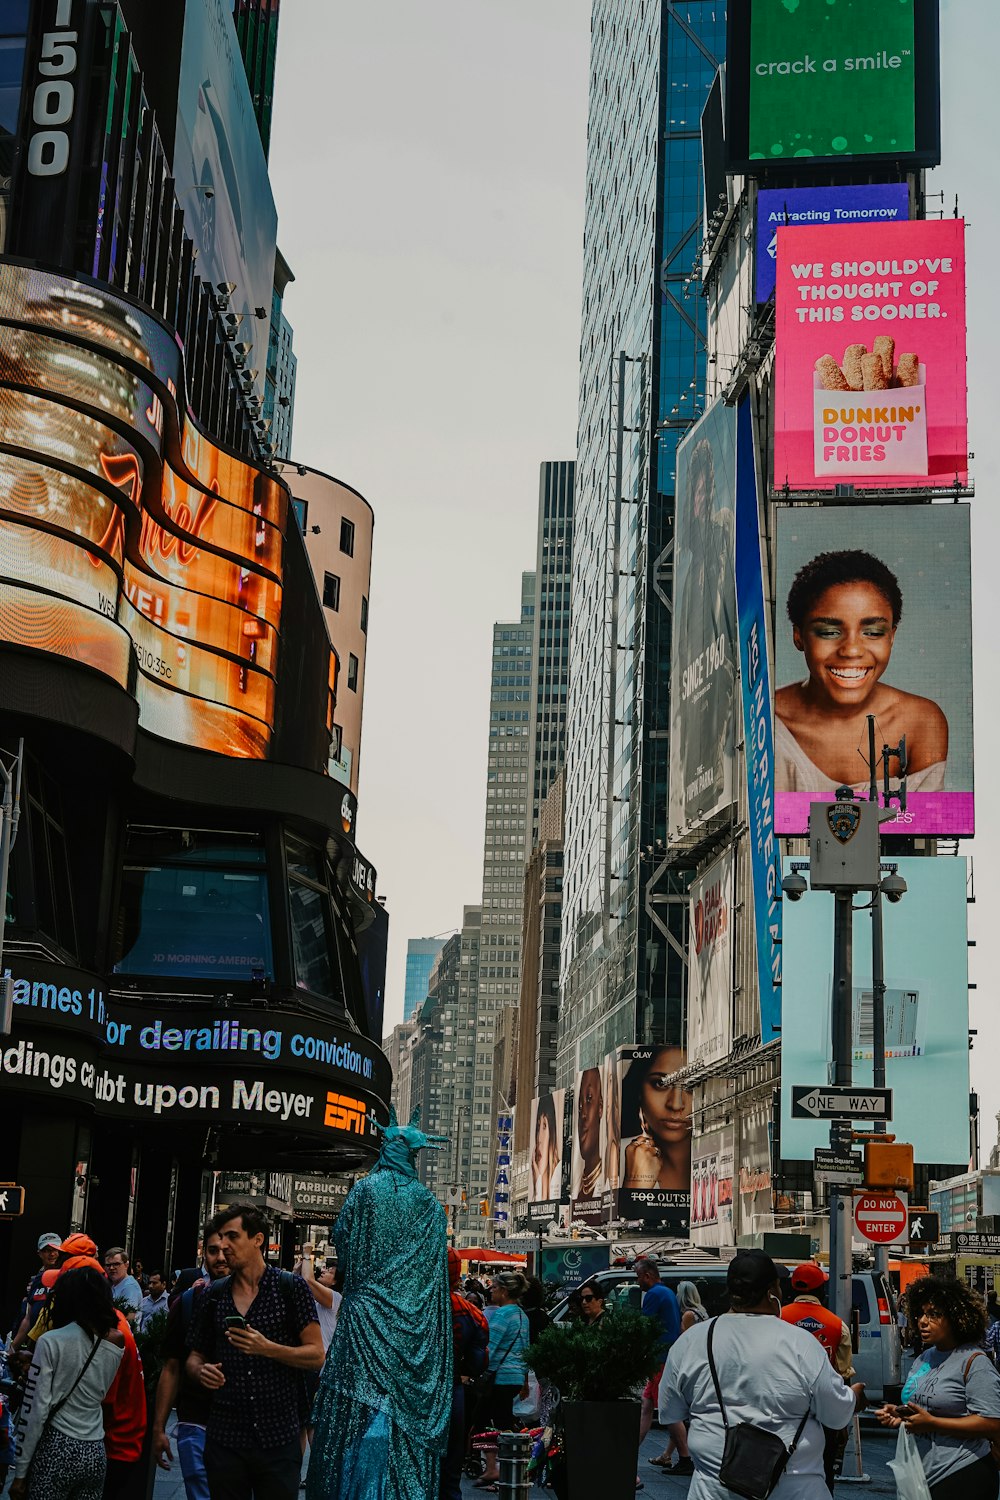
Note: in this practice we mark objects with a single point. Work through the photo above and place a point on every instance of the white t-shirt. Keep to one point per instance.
(328, 1319)
(769, 1372)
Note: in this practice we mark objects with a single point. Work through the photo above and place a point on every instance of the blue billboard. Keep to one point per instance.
(758, 737)
(926, 1011)
(864, 203)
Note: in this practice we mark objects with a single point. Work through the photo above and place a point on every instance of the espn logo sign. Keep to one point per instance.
(344, 1113)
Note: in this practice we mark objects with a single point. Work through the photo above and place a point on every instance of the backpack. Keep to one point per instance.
(471, 1334)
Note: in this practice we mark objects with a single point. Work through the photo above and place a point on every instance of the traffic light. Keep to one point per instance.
(484, 1207)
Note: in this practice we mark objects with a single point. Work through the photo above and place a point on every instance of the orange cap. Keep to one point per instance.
(79, 1244)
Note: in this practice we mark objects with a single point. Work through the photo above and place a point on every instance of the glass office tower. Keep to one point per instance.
(641, 376)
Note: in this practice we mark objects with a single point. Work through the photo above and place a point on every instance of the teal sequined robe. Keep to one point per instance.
(384, 1401)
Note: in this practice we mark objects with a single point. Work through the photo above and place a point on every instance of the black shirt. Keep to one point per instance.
(193, 1401)
(259, 1405)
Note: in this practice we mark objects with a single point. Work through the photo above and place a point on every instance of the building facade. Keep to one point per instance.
(550, 654)
(641, 371)
(421, 956)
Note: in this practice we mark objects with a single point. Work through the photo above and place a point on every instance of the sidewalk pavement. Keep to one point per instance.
(877, 1447)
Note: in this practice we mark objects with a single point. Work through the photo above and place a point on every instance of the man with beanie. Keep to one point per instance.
(808, 1312)
(471, 1334)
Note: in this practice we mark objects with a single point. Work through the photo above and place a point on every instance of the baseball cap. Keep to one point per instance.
(750, 1274)
(46, 1240)
(808, 1276)
(79, 1244)
(76, 1262)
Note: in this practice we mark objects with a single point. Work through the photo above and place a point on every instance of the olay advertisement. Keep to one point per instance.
(870, 379)
(874, 616)
(656, 1137)
(710, 964)
(103, 523)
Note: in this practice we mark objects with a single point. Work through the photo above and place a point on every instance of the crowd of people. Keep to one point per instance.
(241, 1346)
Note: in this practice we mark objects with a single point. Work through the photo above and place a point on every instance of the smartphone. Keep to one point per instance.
(905, 1411)
(236, 1322)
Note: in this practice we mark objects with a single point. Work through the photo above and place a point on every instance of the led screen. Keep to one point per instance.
(710, 964)
(854, 203)
(831, 78)
(874, 617)
(870, 378)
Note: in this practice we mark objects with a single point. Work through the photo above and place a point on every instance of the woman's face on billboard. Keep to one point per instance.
(666, 1108)
(588, 1114)
(846, 639)
(543, 1139)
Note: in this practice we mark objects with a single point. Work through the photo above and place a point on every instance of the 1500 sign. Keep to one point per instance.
(53, 103)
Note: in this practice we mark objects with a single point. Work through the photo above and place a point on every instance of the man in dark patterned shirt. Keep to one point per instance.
(252, 1339)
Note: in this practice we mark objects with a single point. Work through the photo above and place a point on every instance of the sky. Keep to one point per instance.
(428, 166)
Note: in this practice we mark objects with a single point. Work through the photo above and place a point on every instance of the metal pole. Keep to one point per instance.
(514, 1455)
(841, 1204)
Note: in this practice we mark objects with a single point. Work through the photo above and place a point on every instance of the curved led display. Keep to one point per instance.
(123, 528)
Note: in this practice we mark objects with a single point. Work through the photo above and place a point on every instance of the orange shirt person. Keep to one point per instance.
(808, 1312)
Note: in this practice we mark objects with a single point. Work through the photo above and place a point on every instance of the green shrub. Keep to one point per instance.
(603, 1362)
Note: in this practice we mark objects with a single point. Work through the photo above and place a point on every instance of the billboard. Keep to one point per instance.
(874, 617)
(710, 964)
(124, 529)
(220, 171)
(545, 1187)
(785, 208)
(702, 653)
(656, 1123)
(758, 738)
(926, 1011)
(596, 1143)
(831, 80)
(870, 356)
(712, 1161)
(754, 1179)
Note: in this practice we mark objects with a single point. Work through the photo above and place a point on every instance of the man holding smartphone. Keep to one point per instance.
(254, 1336)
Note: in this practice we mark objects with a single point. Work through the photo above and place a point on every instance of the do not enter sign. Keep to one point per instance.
(882, 1218)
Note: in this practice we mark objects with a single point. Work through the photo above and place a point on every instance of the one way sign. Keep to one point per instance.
(814, 1102)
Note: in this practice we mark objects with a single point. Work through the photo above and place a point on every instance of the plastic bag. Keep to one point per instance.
(907, 1466)
(528, 1408)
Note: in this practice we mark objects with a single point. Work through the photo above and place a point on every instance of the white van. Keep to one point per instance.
(873, 1301)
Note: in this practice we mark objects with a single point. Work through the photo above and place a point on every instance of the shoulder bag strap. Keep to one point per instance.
(54, 1410)
(800, 1429)
(715, 1373)
(968, 1363)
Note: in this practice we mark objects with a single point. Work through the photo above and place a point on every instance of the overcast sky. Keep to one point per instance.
(428, 165)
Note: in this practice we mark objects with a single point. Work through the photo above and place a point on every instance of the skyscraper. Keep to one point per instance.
(421, 956)
(641, 372)
(553, 579)
(505, 849)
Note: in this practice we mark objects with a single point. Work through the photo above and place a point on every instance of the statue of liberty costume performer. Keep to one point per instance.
(383, 1407)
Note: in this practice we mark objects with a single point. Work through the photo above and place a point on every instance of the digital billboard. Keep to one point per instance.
(595, 1144)
(656, 1121)
(710, 964)
(870, 379)
(703, 642)
(220, 168)
(122, 528)
(831, 78)
(754, 1177)
(712, 1162)
(758, 734)
(853, 203)
(926, 1011)
(874, 616)
(545, 1162)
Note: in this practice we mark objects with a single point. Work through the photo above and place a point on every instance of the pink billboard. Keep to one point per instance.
(870, 356)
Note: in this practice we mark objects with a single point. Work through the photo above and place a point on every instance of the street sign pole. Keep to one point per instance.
(841, 1203)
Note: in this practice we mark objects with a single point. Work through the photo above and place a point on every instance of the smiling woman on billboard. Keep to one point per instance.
(845, 609)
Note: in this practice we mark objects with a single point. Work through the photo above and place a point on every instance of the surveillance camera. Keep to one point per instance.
(794, 886)
(894, 888)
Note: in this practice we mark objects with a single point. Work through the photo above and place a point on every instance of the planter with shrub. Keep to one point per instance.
(599, 1371)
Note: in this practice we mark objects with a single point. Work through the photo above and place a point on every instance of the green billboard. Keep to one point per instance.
(831, 78)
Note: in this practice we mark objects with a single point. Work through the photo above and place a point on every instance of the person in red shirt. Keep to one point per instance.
(808, 1313)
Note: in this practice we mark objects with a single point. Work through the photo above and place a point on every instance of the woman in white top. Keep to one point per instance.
(60, 1437)
(771, 1374)
(844, 609)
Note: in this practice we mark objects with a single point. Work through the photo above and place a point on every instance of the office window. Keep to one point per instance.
(331, 590)
(352, 672)
(301, 509)
(347, 536)
(364, 614)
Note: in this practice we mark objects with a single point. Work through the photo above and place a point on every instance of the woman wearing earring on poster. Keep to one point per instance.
(660, 1155)
(545, 1156)
(613, 1132)
(845, 609)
